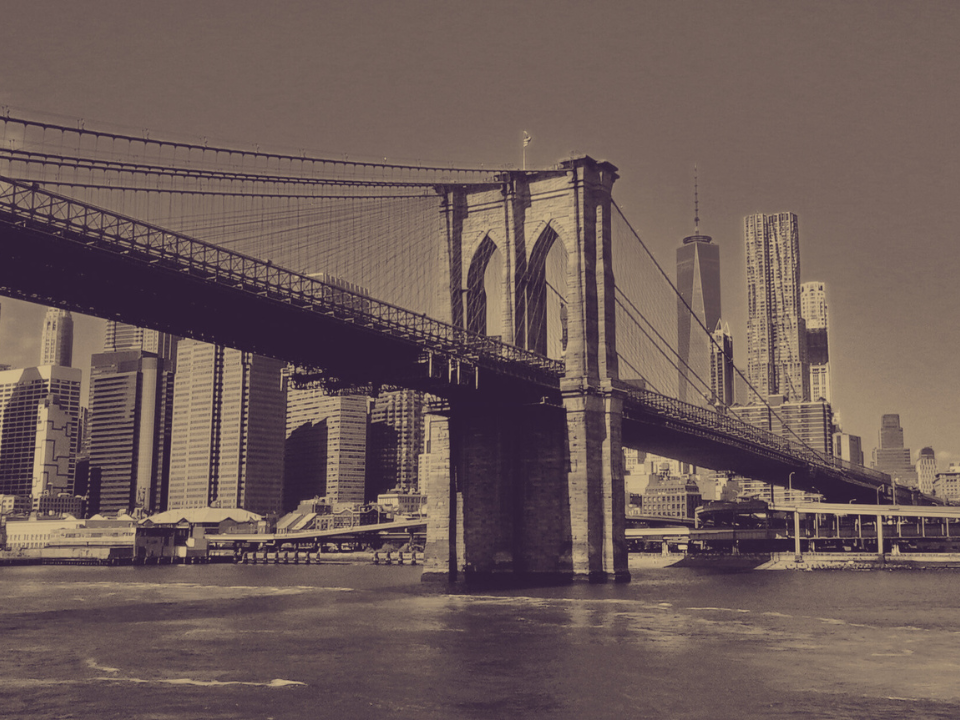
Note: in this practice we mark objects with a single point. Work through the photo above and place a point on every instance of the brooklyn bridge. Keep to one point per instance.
(523, 302)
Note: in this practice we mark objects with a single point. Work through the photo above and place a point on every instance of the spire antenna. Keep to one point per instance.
(696, 203)
(696, 237)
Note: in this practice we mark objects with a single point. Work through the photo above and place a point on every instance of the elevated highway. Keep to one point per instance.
(404, 529)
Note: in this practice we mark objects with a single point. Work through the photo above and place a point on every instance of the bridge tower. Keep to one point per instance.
(516, 488)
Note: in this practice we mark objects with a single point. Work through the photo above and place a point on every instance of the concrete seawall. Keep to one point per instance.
(788, 561)
(863, 561)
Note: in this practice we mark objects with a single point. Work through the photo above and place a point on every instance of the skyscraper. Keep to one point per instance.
(722, 373)
(698, 281)
(129, 442)
(22, 393)
(810, 423)
(121, 336)
(326, 448)
(926, 470)
(395, 442)
(56, 342)
(848, 447)
(228, 430)
(776, 333)
(54, 457)
(130, 417)
(813, 310)
(892, 457)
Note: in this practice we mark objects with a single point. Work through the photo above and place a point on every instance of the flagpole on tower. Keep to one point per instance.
(526, 141)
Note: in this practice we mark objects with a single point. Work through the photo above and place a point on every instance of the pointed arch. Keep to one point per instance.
(545, 295)
(476, 291)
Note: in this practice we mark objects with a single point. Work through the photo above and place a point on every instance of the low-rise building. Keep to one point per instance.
(671, 496)
(100, 539)
(34, 534)
(182, 534)
(403, 503)
(947, 484)
(15, 504)
(58, 504)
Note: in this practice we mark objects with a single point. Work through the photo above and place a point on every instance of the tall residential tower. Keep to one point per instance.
(776, 333)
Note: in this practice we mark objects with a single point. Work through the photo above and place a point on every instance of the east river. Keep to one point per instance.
(365, 641)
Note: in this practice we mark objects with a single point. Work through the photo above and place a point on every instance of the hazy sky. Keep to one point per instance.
(845, 113)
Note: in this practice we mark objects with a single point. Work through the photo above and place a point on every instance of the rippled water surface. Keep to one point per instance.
(361, 641)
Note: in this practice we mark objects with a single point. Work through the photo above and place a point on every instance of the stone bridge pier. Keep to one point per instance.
(520, 490)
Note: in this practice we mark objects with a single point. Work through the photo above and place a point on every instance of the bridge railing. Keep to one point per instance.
(730, 425)
(28, 203)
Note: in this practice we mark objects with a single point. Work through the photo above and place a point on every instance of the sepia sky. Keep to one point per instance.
(846, 113)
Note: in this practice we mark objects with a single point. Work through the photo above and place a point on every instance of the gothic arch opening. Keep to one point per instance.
(546, 296)
(484, 311)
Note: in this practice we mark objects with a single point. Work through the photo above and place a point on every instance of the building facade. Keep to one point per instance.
(848, 447)
(56, 340)
(946, 485)
(228, 430)
(776, 334)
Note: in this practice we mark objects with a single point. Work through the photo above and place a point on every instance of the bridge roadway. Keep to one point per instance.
(709, 439)
(57, 251)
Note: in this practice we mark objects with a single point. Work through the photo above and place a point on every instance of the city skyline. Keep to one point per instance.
(846, 123)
